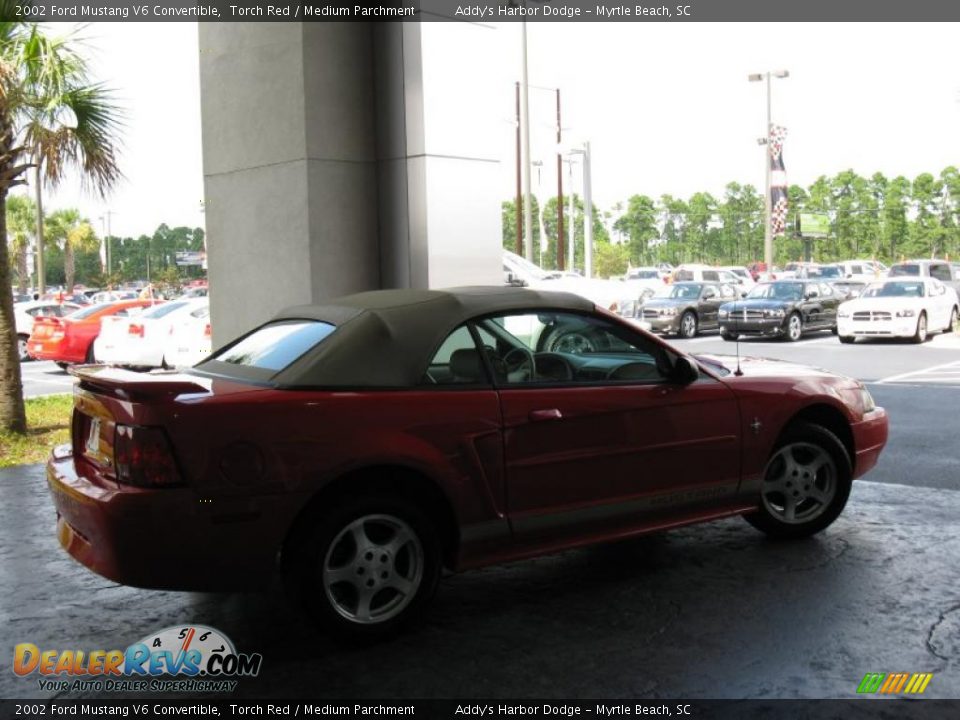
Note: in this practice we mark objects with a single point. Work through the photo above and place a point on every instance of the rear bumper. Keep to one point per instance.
(170, 539)
(869, 439)
(57, 353)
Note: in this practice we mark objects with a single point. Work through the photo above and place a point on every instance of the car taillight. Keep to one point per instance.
(206, 331)
(135, 329)
(143, 457)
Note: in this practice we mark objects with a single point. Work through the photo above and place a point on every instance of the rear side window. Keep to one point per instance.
(683, 275)
(275, 346)
(940, 272)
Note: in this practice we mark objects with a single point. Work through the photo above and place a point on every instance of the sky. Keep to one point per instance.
(666, 107)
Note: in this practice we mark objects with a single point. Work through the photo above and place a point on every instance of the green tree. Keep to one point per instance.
(508, 216)
(42, 79)
(600, 234)
(639, 225)
(21, 228)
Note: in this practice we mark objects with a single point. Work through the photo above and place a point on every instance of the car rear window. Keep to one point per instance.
(88, 311)
(274, 346)
(907, 269)
(160, 311)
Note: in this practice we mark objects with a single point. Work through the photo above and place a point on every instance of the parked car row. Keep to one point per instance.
(136, 333)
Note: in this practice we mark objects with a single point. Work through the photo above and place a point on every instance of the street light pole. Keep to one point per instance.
(525, 133)
(41, 271)
(587, 214)
(765, 142)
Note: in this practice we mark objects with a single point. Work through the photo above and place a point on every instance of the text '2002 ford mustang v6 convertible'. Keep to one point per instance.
(362, 445)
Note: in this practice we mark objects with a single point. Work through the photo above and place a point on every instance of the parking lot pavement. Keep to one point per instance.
(713, 611)
(44, 378)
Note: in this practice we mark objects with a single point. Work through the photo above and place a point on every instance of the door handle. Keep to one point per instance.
(541, 415)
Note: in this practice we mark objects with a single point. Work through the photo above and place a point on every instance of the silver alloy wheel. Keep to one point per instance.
(794, 327)
(22, 348)
(800, 483)
(953, 322)
(688, 325)
(373, 569)
(922, 327)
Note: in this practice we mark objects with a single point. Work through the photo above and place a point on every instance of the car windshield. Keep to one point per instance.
(905, 269)
(895, 289)
(778, 291)
(689, 291)
(828, 271)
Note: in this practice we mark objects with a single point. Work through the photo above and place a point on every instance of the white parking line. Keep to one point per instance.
(915, 375)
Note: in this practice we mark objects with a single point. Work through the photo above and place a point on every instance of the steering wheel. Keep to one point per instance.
(520, 364)
(573, 342)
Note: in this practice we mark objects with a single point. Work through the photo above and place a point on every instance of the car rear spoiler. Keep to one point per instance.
(131, 385)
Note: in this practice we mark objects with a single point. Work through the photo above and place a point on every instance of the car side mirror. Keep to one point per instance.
(810, 295)
(685, 371)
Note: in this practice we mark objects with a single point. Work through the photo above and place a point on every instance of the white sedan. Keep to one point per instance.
(908, 308)
(25, 313)
(141, 341)
(189, 341)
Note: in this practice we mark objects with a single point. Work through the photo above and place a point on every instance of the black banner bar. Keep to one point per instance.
(486, 12)
(893, 708)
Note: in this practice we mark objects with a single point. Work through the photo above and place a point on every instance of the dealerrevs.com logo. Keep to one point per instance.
(895, 683)
(200, 658)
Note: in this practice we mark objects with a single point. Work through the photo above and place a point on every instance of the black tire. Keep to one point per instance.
(834, 330)
(794, 328)
(953, 325)
(63, 366)
(922, 332)
(846, 339)
(22, 353)
(91, 356)
(728, 336)
(817, 499)
(689, 326)
(324, 547)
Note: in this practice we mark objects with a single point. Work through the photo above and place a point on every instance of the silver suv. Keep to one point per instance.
(940, 269)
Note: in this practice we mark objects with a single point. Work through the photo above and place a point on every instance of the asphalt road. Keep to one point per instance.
(713, 611)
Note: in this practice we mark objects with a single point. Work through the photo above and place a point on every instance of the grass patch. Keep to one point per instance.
(48, 424)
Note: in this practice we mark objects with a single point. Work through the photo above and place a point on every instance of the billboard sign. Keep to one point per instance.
(814, 225)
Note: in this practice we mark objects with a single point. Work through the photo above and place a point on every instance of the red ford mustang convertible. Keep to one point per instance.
(360, 446)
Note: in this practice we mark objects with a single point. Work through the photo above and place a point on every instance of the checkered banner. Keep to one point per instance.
(778, 181)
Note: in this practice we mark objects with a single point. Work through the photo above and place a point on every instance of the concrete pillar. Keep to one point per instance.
(341, 157)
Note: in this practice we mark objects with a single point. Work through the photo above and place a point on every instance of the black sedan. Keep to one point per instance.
(686, 308)
(785, 308)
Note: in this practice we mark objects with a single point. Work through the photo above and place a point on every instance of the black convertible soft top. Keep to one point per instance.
(386, 338)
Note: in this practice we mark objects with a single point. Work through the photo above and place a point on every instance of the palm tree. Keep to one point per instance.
(73, 234)
(21, 227)
(42, 80)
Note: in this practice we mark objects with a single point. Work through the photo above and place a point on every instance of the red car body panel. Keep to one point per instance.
(521, 472)
(68, 340)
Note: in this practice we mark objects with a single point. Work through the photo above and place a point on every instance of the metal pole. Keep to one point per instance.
(519, 223)
(571, 220)
(560, 258)
(768, 210)
(41, 271)
(587, 215)
(109, 246)
(525, 125)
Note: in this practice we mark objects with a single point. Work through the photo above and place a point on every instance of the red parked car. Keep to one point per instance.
(362, 445)
(69, 339)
